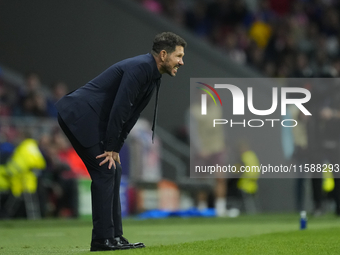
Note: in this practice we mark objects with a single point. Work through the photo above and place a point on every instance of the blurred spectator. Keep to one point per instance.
(260, 32)
(39, 104)
(300, 155)
(255, 56)
(32, 83)
(197, 20)
(243, 186)
(330, 136)
(265, 13)
(298, 21)
(174, 10)
(33, 104)
(209, 148)
(59, 181)
(234, 52)
(19, 181)
(4, 101)
(59, 89)
(8, 97)
(32, 99)
(302, 68)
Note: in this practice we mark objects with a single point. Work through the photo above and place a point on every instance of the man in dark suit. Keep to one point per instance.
(97, 119)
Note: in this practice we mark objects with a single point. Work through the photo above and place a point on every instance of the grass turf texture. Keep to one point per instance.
(259, 234)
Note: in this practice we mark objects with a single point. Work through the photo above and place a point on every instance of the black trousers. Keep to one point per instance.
(106, 210)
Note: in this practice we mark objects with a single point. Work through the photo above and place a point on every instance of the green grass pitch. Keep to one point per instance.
(257, 234)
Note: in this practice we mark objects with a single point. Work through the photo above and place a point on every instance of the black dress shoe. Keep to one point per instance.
(123, 241)
(108, 245)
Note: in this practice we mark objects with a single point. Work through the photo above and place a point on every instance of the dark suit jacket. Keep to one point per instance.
(106, 108)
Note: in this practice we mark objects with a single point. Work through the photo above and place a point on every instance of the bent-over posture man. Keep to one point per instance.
(97, 118)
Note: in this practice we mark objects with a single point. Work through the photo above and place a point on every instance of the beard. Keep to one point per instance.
(169, 69)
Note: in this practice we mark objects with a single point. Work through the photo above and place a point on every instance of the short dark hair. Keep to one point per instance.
(167, 41)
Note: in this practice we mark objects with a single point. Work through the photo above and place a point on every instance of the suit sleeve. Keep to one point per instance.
(126, 130)
(130, 87)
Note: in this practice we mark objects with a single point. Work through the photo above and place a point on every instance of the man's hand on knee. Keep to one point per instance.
(111, 157)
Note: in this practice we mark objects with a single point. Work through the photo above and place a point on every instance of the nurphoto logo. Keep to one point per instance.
(238, 104)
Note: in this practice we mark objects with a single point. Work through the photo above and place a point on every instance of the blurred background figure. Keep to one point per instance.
(59, 188)
(18, 180)
(59, 89)
(300, 155)
(32, 99)
(330, 146)
(209, 149)
(244, 186)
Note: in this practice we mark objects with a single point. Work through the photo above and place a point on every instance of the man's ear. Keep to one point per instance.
(163, 55)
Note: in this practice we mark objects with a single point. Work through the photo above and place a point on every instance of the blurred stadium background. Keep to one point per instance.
(48, 48)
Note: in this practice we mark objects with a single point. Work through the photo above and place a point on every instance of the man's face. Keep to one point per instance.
(173, 61)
